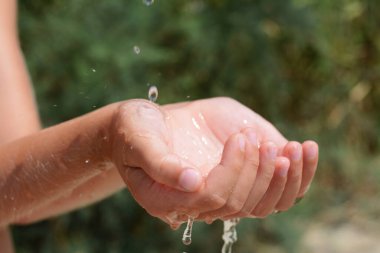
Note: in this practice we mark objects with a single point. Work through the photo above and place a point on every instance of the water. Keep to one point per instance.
(137, 50)
(186, 238)
(229, 234)
(153, 93)
(148, 2)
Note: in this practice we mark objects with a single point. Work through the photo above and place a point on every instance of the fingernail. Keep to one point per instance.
(283, 171)
(252, 137)
(241, 141)
(296, 154)
(272, 151)
(190, 180)
(311, 153)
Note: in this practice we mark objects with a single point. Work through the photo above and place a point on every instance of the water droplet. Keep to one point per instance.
(148, 2)
(93, 70)
(136, 49)
(204, 140)
(55, 105)
(87, 161)
(195, 123)
(245, 122)
(201, 116)
(186, 238)
(229, 234)
(188, 96)
(209, 220)
(153, 93)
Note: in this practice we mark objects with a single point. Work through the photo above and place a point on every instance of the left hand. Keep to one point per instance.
(157, 143)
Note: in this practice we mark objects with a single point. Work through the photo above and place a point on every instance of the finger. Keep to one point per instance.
(268, 153)
(245, 181)
(293, 151)
(310, 163)
(272, 196)
(161, 201)
(147, 146)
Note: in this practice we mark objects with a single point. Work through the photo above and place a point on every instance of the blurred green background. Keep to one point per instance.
(311, 67)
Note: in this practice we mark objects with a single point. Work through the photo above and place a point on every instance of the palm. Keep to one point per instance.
(153, 138)
(197, 131)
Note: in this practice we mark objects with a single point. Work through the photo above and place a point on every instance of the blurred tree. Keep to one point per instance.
(309, 66)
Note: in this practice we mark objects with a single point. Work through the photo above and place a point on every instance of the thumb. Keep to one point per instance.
(148, 147)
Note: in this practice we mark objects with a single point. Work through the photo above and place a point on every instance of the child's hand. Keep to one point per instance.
(202, 158)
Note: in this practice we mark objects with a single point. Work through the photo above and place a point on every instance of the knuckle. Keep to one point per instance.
(259, 213)
(245, 212)
(268, 175)
(253, 161)
(296, 176)
(283, 207)
(234, 205)
(217, 201)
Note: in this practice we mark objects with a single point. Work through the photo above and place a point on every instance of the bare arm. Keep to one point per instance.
(41, 168)
(19, 118)
(18, 114)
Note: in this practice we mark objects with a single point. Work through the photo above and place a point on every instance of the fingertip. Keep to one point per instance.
(282, 166)
(190, 180)
(310, 149)
(252, 137)
(234, 150)
(271, 150)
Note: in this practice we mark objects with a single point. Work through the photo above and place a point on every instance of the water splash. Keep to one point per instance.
(137, 50)
(148, 2)
(186, 238)
(195, 123)
(153, 93)
(229, 234)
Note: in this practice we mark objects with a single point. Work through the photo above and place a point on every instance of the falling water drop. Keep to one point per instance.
(229, 234)
(148, 2)
(153, 93)
(137, 50)
(186, 238)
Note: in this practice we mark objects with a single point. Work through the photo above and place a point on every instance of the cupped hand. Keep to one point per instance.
(212, 158)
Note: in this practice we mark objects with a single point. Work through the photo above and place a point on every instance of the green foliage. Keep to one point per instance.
(309, 66)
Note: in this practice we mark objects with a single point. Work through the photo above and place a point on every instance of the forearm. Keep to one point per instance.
(96, 188)
(39, 168)
(18, 113)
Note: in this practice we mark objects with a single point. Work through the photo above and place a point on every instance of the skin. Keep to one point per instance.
(56, 169)
(18, 114)
(211, 158)
(243, 180)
